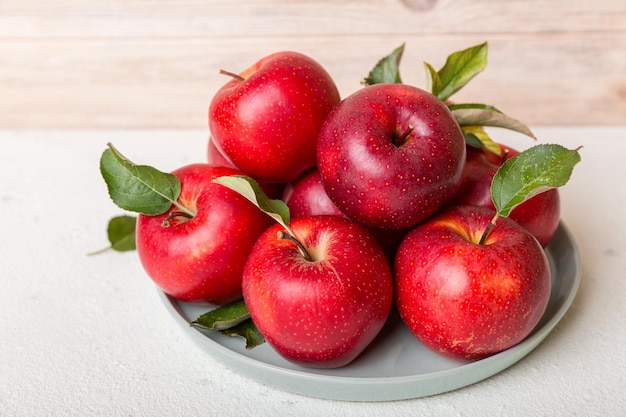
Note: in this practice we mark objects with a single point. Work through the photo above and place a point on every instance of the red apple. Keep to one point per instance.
(323, 311)
(540, 215)
(267, 119)
(306, 196)
(469, 300)
(390, 155)
(216, 157)
(201, 258)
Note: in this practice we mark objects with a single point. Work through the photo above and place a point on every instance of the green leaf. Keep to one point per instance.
(477, 137)
(531, 172)
(472, 106)
(121, 233)
(223, 317)
(484, 115)
(460, 67)
(231, 320)
(433, 81)
(387, 69)
(248, 331)
(138, 188)
(251, 190)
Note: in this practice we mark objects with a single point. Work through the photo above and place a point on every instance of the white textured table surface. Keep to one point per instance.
(89, 336)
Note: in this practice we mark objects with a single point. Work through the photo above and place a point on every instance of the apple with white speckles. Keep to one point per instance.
(266, 119)
(390, 155)
(200, 258)
(321, 298)
(306, 196)
(466, 299)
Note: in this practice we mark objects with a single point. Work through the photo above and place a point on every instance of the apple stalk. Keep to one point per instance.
(490, 226)
(187, 215)
(401, 139)
(492, 223)
(233, 75)
(287, 236)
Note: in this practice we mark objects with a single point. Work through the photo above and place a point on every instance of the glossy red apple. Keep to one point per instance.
(216, 157)
(322, 309)
(267, 119)
(306, 196)
(540, 214)
(390, 155)
(201, 258)
(468, 300)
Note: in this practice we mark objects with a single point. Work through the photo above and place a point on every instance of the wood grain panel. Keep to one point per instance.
(226, 18)
(154, 64)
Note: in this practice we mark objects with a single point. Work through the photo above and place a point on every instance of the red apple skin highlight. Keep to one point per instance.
(540, 215)
(201, 259)
(390, 155)
(323, 313)
(465, 300)
(267, 124)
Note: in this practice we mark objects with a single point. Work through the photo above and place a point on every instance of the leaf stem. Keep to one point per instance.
(184, 211)
(100, 251)
(284, 235)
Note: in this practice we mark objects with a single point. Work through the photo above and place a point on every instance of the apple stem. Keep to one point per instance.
(173, 214)
(492, 223)
(283, 235)
(505, 154)
(400, 140)
(232, 74)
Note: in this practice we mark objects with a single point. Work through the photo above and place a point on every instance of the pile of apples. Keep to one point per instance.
(322, 214)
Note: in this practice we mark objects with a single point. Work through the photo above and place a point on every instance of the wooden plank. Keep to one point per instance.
(230, 18)
(557, 79)
(147, 63)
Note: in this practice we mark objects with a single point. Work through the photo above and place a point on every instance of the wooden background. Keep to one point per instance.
(154, 63)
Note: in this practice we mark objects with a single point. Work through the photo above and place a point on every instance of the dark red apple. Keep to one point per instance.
(320, 305)
(267, 119)
(201, 258)
(540, 215)
(468, 300)
(390, 155)
(306, 196)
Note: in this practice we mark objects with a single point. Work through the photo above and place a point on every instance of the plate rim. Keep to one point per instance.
(352, 388)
